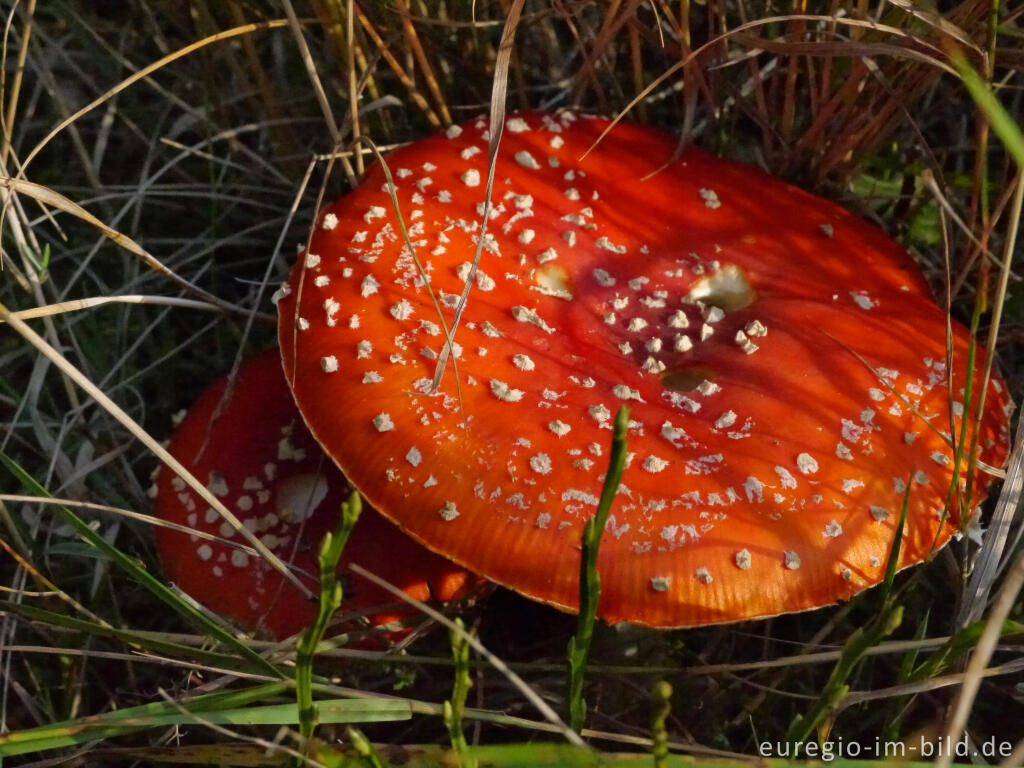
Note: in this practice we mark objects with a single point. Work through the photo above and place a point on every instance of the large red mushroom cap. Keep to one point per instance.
(783, 361)
(258, 458)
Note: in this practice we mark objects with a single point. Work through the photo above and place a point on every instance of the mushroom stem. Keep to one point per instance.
(661, 706)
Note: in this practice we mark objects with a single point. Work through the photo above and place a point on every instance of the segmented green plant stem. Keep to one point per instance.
(456, 705)
(661, 707)
(330, 599)
(590, 581)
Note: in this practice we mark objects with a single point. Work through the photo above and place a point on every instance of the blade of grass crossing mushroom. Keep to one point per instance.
(590, 579)
(499, 89)
(330, 159)
(897, 542)
(330, 600)
(532, 696)
(449, 332)
(892, 390)
(142, 436)
(863, 639)
(961, 440)
(140, 574)
(455, 707)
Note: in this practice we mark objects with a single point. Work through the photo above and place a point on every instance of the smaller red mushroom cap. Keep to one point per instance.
(260, 460)
(783, 361)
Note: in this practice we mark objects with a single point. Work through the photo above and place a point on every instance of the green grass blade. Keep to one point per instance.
(137, 572)
(127, 636)
(93, 728)
(1002, 122)
(963, 641)
(897, 543)
(863, 639)
(128, 721)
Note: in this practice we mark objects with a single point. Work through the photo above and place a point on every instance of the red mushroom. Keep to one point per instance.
(257, 456)
(783, 361)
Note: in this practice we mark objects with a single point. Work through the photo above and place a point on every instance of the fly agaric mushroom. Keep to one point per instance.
(783, 362)
(257, 456)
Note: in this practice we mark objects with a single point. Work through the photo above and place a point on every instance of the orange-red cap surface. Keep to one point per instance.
(783, 361)
(261, 462)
